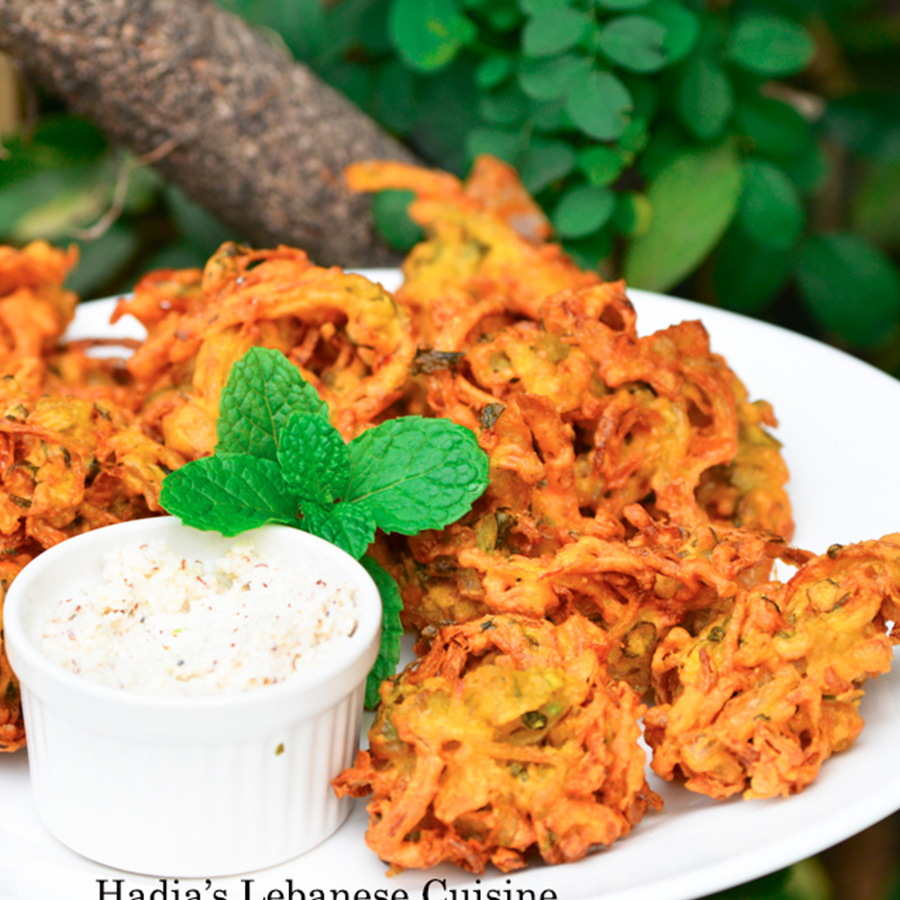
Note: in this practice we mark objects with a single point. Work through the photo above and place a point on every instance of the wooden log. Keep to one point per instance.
(253, 136)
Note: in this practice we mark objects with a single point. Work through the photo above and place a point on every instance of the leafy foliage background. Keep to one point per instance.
(745, 153)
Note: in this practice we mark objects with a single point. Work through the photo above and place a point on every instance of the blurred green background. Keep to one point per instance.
(745, 154)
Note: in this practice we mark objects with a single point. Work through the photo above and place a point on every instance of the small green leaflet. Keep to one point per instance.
(416, 473)
(280, 460)
(260, 395)
(313, 457)
(350, 526)
(229, 493)
(391, 629)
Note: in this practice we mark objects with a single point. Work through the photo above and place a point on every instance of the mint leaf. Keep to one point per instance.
(349, 526)
(415, 473)
(263, 388)
(229, 493)
(391, 629)
(314, 458)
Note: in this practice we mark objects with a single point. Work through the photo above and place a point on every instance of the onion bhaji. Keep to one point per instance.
(769, 689)
(71, 457)
(623, 549)
(348, 336)
(507, 739)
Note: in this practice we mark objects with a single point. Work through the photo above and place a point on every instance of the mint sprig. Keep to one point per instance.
(279, 459)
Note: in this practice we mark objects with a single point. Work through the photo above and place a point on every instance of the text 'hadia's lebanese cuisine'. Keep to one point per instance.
(615, 575)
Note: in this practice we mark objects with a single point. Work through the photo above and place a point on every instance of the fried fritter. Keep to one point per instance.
(767, 691)
(485, 253)
(35, 308)
(348, 337)
(507, 740)
(72, 456)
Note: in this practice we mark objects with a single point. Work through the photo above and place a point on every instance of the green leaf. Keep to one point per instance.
(748, 276)
(229, 493)
(809, 169)
(635, 137)
(300, 24)
(582, 210)
(770, 210)
(390, 212)
(448, 111)
(601, 165)
(551, 115)
(416, 473)
(590, 251)
(428, 33)
(547, 79)
(770, 45)
(682, 27)
(545, 163)
(875, 207)
(633, 214)
(507, 106)
(396, 103)
(553, 31)
(705, 98)
(350, 526)
(501, 15)
(866, 123)
(263, 389)
(493, 70)
(58, 141)
(667, 143)
(50, 203)
(391, 629)
(599, 106)
(850, 287)
(144, 187)
(505, 145)
(196, 224)
(100, 261)
(693, 199)
(540, 7)
(313, 457)
(619, 5)
(635, 43)
(776, 129)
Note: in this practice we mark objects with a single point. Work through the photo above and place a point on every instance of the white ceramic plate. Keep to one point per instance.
(842, 441)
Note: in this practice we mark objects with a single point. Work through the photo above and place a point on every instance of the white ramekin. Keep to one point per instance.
(187, 786)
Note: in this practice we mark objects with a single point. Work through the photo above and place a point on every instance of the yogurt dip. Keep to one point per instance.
(166, 624)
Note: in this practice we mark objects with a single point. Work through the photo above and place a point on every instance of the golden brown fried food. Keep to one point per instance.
(582, 419)
(34, 307)
(12, 727)
(650, 419)
(69, 465)
(348, 337)
(770, 689)
(72, 456)
(485, 254)
(508, 739)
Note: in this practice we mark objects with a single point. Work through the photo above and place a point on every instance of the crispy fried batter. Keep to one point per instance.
(72, 456)
(34, 307)
(769, 690)
(507, 739)
(347, 335)
(485, 254)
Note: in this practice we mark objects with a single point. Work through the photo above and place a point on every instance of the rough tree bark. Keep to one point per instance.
(248, 133)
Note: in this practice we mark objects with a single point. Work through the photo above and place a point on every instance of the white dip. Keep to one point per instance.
(163, 624)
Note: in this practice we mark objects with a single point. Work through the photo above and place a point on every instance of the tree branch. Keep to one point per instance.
(248, 133)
